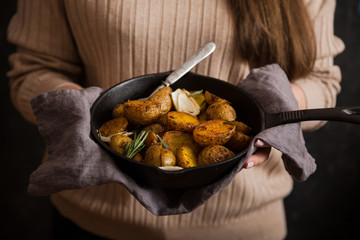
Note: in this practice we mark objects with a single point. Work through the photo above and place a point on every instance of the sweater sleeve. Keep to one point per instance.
(46, 57)
(322, 85)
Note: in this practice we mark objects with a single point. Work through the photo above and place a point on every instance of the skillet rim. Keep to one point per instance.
(158, 170)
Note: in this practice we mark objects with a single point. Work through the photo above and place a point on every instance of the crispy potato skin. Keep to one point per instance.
(213, 132)
(118, 111)
(113, 126)
(167, 157)
(242, 127)
(151, 139)
(239, 141)
(155, 127)
(141, 112)
(153, 155)
(202, 117)
(221, 110)
(162, 120)
(186, 157)
(138, 158)
(214, 154)
(118, 143)
(181, 121)
(211, 98)
(163, 96)
(176, 139)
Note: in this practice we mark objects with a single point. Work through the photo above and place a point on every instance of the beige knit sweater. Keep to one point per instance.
(101, 43)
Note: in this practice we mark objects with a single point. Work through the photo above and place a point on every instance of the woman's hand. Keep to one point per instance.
(260, 156)
(263, 151)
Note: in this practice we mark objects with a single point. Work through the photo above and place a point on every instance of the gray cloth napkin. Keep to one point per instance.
(76, 161)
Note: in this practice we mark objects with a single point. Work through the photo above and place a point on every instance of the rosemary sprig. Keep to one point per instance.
(163, 142)
(195, 93)
(131, 149)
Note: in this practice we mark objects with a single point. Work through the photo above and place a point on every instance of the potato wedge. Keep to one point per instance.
(238, 142)
(213, 132)
(118, 111)
(151, 139)
(214, 154)
(118, 142)
(176, 139)
(167, 157)
(181, 121)
(186, 157)
(153, 155)
(162, 120)
(163, 96)
(211, 98)
(138, 157)
(202, 117)
(113, 126)
(242, 127)
(221, 110)
(142, 112)
(155, 127)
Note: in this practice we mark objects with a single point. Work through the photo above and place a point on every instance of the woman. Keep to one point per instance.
(77, 44)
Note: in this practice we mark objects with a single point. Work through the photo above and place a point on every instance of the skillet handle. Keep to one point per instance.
(341, 114)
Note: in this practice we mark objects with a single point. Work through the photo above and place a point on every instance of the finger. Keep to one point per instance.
(260, 156)
(260, 143)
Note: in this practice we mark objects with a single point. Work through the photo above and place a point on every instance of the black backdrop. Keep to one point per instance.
(326, 206)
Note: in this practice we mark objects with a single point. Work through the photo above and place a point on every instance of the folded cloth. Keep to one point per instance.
(76, 161)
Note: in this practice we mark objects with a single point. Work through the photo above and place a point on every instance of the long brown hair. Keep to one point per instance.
(275, 31)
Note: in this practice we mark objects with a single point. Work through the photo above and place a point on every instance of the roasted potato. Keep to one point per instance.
(153, 155)
(202, 117)
(155, 127)
(242, 127)
(213, 132)
(186, 157)
(167, 157)
(162, 120)
(211, 98)
(163, 96)
(238, 141)
(151, 139)
(214, 154)
(141, 112)
(113, 126)
(118, 142)
(181, 121)
(118, 111)
(221, 110)
(176, 139)
(138, 157)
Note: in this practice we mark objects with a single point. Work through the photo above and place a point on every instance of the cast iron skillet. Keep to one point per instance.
(248, 111)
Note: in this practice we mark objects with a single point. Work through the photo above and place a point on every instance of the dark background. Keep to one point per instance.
(326, 206)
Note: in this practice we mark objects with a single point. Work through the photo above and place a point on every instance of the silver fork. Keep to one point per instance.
(197, 57)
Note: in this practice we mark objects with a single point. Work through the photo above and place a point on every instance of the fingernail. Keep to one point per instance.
(250, 165)
(259, 143)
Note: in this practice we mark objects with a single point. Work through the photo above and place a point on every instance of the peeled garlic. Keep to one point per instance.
(170, 168)
(184, 103)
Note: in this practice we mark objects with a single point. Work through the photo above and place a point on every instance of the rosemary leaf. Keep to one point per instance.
(163, 142)
(136, 145)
